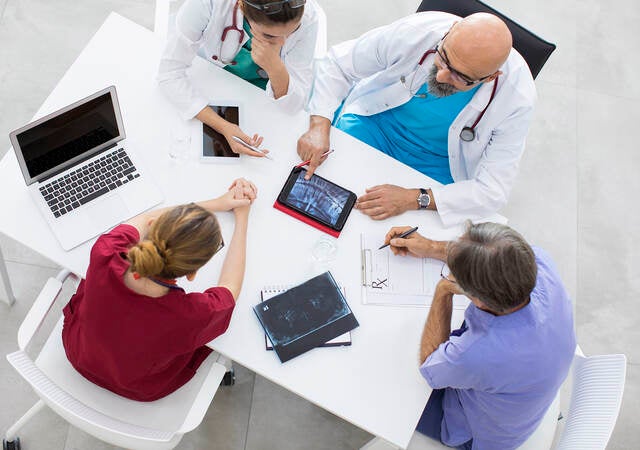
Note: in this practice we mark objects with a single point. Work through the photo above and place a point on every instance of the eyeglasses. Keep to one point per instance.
(458, 76)
(276, 7)
(220, 246)
(444, 274)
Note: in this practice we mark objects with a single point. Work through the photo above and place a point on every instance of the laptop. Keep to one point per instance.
(79, 171)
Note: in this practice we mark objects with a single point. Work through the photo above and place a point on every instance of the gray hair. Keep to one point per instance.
(493, 263)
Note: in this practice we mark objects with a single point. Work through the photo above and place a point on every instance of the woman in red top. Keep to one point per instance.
(129, 327)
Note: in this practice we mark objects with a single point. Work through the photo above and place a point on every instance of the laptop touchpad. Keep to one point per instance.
(107, 212)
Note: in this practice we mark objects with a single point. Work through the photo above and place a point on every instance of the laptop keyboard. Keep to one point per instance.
(89, 182)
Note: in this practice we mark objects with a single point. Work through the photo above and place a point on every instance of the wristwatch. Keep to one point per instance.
(424, 199)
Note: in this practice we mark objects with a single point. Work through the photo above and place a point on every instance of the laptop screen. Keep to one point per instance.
(68, 137)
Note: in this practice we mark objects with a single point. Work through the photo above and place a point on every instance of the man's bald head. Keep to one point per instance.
(480, 42)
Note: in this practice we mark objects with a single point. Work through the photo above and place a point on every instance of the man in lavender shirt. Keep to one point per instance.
(494, 378)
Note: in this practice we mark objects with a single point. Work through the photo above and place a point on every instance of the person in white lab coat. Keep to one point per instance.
(268, 43)
(446, 95)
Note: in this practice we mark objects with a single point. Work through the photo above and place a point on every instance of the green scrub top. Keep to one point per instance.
(245, 67)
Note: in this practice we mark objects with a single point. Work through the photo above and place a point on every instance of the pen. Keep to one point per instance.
(402, 236)
(308, 160)
(251, 147)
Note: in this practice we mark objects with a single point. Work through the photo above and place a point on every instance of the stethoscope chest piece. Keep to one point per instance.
(467, 134)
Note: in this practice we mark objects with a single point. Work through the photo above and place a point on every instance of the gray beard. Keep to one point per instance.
(437, 89)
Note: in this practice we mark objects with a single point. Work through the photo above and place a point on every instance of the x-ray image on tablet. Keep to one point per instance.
(317, 198)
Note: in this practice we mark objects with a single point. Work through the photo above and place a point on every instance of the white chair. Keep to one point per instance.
(5, 282)
(598, 385)
(119, 421)
(596, 396)
(161, 18)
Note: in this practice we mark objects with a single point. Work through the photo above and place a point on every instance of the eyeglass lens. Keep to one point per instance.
(454, 73)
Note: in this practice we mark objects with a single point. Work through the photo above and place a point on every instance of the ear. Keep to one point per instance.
(150, 221)
(191, 276)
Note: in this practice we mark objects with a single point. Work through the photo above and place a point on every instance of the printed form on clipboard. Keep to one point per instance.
(394, 280)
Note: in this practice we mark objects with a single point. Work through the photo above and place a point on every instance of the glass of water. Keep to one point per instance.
(180, 143)
(323, 253)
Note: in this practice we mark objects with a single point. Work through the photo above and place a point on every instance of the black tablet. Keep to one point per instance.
(215, 147)
(317, 198)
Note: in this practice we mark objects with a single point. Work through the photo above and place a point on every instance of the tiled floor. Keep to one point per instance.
(575, 196)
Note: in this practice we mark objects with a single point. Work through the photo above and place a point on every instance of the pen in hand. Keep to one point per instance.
(308, 161)
(251, 147)
(402, 236)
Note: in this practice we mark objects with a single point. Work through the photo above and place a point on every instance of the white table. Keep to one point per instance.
(374, 383)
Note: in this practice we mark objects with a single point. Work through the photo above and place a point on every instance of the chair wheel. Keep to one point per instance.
(229, 378)
(11, 445)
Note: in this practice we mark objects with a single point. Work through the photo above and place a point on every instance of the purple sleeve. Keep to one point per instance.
(450, 366)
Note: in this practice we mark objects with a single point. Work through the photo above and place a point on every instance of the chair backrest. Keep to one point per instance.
(533, 49)
(161, 18)
(598, 384)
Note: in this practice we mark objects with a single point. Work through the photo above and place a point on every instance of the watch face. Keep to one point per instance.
(424, 200)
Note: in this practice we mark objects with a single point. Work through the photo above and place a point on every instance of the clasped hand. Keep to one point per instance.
(239, 196)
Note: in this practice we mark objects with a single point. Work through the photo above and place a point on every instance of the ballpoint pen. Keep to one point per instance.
(251, 147)
(402, 236)
(304, 163)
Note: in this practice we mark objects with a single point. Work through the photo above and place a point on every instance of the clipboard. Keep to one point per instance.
(394, 280)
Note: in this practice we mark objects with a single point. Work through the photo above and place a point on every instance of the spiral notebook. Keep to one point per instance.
(268, 292)
(306, 316)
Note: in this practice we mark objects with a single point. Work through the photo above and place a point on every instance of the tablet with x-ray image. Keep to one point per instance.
(317, 198)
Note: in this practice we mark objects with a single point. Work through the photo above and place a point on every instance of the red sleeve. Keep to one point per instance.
(116, 241)
(215, 306)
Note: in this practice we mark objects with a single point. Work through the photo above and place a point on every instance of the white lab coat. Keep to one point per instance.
(198, 30)
(367, 72)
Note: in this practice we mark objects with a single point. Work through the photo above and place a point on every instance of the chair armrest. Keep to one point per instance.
(40, 308)
(206, 392)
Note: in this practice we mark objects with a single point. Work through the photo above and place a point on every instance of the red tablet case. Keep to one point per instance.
(293, 213)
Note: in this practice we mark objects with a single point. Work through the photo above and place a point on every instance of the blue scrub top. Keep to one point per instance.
(415, 133)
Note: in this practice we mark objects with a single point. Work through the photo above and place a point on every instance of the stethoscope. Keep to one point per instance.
(234, 27)
(467, 134)
(225, 31)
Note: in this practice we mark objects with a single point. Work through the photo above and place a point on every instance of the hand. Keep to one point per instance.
(386, 200)
(314, 143)
(240, 195)
(415, 244)
(449, 286)
(231, 129)
(266, 53)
